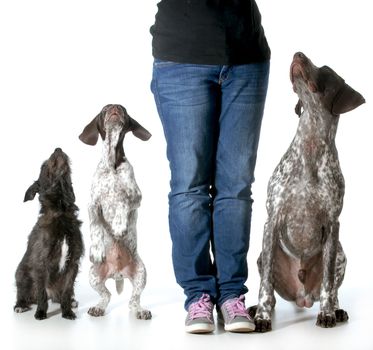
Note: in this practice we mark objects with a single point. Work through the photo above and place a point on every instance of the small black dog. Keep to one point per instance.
(51, 262)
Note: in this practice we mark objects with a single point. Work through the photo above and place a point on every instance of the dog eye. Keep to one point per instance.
(106, 108)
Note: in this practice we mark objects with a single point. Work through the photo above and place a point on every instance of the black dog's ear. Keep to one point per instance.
(346, 100)
(139, 131)
(298, 108)
(32, 191)
(91, 131)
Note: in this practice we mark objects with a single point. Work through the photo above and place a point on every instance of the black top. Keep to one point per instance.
(209, 32)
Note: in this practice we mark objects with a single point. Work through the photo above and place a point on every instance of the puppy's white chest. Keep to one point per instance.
(64, 255)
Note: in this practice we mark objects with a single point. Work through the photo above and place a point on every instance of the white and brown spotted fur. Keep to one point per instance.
(302, 258)
(51, 262)
(115, 198)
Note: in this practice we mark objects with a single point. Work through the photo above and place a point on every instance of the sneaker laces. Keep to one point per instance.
(202, 308)
(236, 308)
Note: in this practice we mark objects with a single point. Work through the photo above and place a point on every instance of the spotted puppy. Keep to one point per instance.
(51, 262)
(115, 198)
(302, 258)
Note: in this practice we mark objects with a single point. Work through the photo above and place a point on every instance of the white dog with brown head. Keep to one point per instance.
(115, 198)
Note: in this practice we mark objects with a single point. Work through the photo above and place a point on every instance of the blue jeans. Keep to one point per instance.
(211, 116)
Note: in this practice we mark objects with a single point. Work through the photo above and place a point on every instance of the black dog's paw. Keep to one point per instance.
(96, 312)
(40, 315)
(69, 315)
(21, 308)
(326, 320)
(262, 326)
(341, 315)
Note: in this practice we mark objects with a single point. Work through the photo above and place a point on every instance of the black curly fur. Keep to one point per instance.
(38, 276)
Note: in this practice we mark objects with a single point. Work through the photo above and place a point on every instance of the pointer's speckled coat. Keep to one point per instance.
(115, 198)
(302, 258)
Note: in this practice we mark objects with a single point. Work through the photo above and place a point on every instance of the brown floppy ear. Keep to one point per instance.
(346, 100)
(91, 131)
(139, 131)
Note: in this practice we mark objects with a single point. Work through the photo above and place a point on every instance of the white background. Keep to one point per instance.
(61, 61)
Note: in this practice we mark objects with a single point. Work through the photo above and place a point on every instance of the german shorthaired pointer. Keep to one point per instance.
(302, 258)
(55, 245)
(115, 198)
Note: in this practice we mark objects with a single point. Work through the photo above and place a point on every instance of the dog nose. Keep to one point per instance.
(58, 150)
(299, 55)
(114, 109)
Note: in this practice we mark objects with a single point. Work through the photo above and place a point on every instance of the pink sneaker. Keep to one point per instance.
(235, 317)
(200, 317)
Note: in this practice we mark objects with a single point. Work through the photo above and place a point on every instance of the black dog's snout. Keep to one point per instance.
(299, 55)
(58, 150)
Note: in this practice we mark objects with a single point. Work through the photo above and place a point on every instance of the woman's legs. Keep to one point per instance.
(211, 117)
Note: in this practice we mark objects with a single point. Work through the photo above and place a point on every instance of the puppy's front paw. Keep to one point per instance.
(144, 315)
(325, 320)
(262, 325)
(120, 222)
(96, 311)
(97, 254)
(69, 315)
(40, 315)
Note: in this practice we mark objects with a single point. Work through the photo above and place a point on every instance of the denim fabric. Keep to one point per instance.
(211, 117)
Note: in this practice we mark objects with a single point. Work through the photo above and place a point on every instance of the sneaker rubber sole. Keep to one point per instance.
(200, 328)
(237, 327)
(240, 327)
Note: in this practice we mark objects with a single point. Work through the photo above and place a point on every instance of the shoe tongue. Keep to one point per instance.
(199, 313)
(202, 308)
(237, 307)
